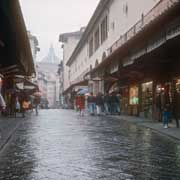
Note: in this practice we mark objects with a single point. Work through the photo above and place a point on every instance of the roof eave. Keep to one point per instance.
(93, 19)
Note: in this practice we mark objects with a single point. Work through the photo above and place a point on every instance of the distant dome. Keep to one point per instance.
(51, 57)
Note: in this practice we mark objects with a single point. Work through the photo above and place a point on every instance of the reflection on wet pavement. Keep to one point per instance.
(59, 145)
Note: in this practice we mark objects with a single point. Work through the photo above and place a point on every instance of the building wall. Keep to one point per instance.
(34, 50)
(121, 16)
(51, 93)
(48, 82)
(57, 90)
(81, 64)
(67, 50)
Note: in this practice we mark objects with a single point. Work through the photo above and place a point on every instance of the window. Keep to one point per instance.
(113, 25)
(97, 39)
(104, 29)
(125, 9)
(69, 74)
(91, 47)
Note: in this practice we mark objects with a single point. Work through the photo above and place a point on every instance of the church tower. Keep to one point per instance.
(51, 57)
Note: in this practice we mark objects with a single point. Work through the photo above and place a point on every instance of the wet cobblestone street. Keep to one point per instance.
(60, 145)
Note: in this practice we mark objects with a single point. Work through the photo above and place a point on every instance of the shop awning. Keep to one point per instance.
(28, 85)
(15, 52)
(24, 85)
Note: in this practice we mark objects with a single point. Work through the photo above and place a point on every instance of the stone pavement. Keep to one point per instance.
(61, 145)
(8, 126)
(172, 131)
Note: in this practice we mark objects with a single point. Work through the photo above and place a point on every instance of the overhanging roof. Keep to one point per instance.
(151, 29)
(14, 47)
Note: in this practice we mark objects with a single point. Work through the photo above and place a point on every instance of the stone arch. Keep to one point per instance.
(104, 56)
(96, 63)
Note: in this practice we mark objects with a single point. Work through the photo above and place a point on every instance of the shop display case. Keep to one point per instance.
(124, 102)
(147, 100)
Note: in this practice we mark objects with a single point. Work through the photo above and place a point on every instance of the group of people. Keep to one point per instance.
(13, 104)
(108, 104)
(168, 106)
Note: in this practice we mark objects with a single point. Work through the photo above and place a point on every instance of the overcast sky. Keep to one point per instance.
(48, 18)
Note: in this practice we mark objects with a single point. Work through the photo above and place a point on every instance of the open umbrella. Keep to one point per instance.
(83, 92)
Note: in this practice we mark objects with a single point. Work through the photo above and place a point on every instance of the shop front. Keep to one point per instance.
(133, 100)
(177, 85)
(124, 102)
(98, 85)
(146, 109)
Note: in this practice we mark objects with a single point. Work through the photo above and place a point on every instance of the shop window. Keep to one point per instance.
(178, 84)
(104, 29)
(134, 95)
(124, 100)
(147, 99)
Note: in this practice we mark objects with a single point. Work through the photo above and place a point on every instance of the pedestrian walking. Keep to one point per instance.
(99, 103)
(159, 107)
(166, 106)
(17, 106)
(115, 104)
(36, 103)
(80, 101)
(176, 106)
(91, 100)
(2, 104)
(107, 105)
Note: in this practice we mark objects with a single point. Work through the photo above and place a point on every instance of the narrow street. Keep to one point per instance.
(60, 145)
